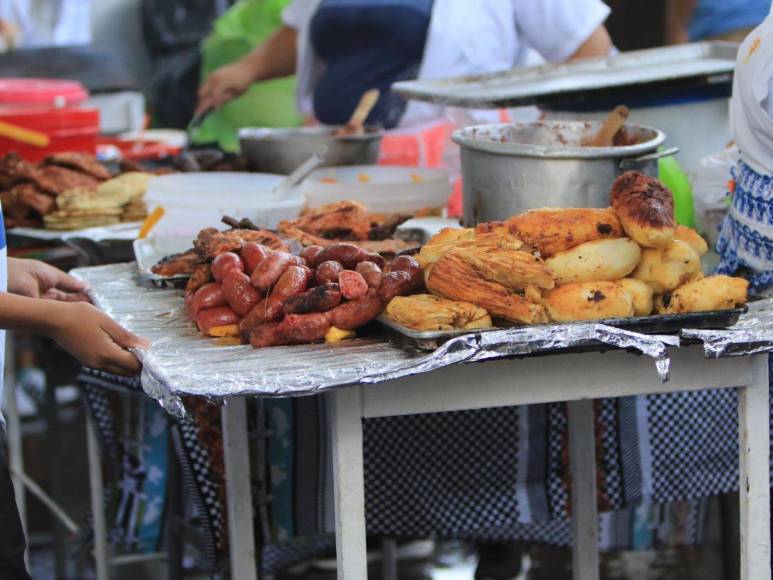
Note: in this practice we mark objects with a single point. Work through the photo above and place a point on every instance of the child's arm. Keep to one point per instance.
(88, 334)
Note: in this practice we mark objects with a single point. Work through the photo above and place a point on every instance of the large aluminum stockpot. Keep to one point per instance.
(508, 169)
(283, 150)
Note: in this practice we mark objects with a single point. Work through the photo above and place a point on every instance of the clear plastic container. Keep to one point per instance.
(382, 189)
(194, 201)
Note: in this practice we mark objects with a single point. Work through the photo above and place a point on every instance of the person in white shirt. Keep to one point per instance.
(44, 23)
(341, 48)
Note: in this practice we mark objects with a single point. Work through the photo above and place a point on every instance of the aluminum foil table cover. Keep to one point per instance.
(182, 362)
(752, 334)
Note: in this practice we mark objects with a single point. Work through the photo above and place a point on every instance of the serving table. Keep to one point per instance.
(376, 378)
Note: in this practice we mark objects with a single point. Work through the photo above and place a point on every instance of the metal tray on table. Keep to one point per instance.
(149, 251)
(659, 324)
(672, 67)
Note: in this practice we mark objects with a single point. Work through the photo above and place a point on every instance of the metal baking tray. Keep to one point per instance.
(149, 251)
(685, 66)
(660, 324)
(117, 232)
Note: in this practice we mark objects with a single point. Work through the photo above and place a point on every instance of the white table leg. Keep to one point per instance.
(241, 534)
(585, 520)
(349, 484)
(101, 549)
(754, 448)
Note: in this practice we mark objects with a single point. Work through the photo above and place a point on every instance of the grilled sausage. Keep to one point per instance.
(395, 284)
(371, 272)
(239, 293)
(214, 317)
(264, 336)
(270, 269)
(208, 296)
(264, 312)
(310, 255)
(328, 272)
(303, 328)
(353, 285)
(295, 280)
(373, 258)
(407, 264)
(348, 255)
(352, 315)
(253, 254)
(319, 299)
(224, 264)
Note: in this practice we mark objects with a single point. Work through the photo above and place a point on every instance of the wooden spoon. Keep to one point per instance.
(361, 112)
(605, 136)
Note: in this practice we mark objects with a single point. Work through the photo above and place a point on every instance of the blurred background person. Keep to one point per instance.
(693, 20)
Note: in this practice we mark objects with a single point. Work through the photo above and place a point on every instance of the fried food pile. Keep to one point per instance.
(248, 288)
(563, 265)
(68, 191)
(347, 221)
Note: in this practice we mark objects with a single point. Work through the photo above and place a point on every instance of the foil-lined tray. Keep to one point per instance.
(658, 324)
(182, 362)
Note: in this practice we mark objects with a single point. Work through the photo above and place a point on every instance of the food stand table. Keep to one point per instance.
(412, 382)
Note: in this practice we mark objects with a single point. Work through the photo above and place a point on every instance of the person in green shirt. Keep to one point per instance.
(270, 104)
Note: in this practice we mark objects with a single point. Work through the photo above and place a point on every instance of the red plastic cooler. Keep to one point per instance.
(53, 107)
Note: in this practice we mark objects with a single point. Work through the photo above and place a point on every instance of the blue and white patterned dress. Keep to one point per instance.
(746, 237)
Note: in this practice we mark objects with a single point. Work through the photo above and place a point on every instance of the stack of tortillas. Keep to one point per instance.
(118, 199)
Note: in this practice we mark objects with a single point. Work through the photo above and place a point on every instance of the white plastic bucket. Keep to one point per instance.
(382, 189)
(194, 201)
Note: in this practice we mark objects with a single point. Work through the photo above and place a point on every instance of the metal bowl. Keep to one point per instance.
(283, 150)
(509, 169)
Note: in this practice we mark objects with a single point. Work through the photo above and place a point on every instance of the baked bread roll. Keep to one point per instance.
(692, 238)
(588, 301)
(452, 277)
(667, 268)
(551, 231)
(645, 209)
(704, 295)
(596, 261)
(642, 295)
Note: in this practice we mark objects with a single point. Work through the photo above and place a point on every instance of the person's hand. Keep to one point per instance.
(224, 85)
(94, 338)
(36, 279)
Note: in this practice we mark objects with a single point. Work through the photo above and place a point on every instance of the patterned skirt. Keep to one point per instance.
(746, 236)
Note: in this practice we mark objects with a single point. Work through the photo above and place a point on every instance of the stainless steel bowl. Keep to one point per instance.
(283, 150)
(508, 169)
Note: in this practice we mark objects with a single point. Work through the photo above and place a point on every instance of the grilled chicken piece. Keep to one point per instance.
(55, 180)
(345, 220)
(551, 231)
(80, 162)
(645, 208)
(201, 275)
(211, 243)
(178, 264)
(32, 197)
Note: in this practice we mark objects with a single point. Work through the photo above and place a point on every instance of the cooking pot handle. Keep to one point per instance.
(634, 162)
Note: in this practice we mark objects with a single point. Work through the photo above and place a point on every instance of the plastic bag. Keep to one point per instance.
(711, 192)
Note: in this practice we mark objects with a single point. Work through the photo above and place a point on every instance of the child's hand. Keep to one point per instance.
(95, 339)
(36, 279)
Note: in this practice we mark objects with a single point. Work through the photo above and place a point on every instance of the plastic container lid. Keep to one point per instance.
(194, 201)
(382, 189)
(41, 93)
